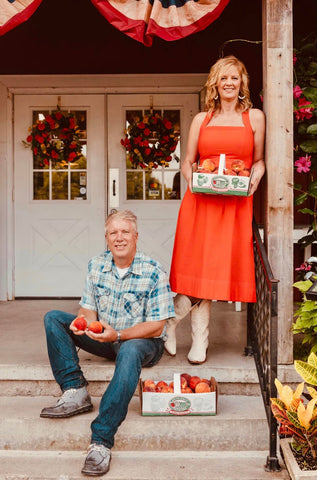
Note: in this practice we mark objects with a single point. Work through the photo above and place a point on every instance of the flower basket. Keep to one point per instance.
(150, 142)
(55, 138)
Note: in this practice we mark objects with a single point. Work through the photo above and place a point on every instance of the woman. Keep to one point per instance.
(213, 249)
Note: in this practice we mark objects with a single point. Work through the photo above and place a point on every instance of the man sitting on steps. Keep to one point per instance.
(129, 293)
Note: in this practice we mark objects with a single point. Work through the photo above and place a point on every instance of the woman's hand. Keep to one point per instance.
(257, 173)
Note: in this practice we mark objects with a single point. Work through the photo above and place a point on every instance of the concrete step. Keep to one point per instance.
(131, 465)
(240, 425)
(25, 370)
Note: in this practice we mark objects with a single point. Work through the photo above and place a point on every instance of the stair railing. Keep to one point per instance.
(262, 338)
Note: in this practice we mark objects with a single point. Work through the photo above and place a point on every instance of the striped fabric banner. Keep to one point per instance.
(14, 12)
(167, 19)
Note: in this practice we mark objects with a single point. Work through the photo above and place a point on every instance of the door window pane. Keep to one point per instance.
(65, 179)
(153, 185)
(134, 185)
(41, 186)
(145, 184)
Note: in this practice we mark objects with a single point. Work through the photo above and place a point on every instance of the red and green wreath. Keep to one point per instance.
(55, 138)
(151, 142)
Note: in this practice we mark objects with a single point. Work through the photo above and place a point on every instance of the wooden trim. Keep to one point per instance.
(278, 107)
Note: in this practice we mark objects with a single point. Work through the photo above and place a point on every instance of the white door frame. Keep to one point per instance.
(61, 84)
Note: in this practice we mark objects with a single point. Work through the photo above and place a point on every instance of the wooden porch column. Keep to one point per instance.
(278, 107)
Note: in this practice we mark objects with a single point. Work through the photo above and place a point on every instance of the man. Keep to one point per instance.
(129, 294)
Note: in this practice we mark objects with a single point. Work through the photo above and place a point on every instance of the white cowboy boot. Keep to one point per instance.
(200, 316)
(182, 306)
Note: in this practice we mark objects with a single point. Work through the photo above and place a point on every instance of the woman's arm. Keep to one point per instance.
(257, 120)
(192, 148)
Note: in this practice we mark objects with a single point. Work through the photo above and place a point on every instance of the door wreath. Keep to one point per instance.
(151, 142)
(55, 138)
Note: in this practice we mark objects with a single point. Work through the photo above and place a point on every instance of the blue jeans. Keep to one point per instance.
(130, 356)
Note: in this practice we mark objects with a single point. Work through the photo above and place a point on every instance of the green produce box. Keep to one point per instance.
(219, 183)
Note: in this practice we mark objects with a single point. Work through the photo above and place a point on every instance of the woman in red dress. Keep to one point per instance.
(213, 248)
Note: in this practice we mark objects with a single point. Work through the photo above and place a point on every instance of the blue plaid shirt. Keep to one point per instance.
(143, 294)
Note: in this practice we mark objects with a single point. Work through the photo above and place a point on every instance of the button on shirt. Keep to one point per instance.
(143, 294)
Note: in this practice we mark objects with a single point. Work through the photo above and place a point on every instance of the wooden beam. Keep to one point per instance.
(278, 107)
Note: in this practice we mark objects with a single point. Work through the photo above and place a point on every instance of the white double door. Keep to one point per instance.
(54, 238)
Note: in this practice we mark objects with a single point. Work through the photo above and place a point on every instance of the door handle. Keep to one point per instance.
(113, 189)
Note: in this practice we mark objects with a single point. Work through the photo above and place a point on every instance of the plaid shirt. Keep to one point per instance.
(143, 294)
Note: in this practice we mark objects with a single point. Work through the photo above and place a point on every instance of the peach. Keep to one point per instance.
(161, 384)
(149, 389)
(80, 323)
(202, 387)
(206, 381)
(245, 173)
(148, 383)
(95, 327)
(187, 376)
(166, 389)
(209, 165)
(229, 172)
(237, 165)
(193, 382)
(183, 382)
(186, 390)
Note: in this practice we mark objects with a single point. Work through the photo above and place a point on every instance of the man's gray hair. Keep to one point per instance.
(122, 215)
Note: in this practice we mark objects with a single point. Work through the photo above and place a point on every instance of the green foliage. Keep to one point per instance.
(305, 130)
(307, 370)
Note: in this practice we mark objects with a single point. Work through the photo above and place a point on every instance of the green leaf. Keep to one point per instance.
(312, 360)
(303, 285)
(307, 210)
(309, 146)
(306, 371)
(301, 198)
(312, 129)
(313, 187)
(293, 418)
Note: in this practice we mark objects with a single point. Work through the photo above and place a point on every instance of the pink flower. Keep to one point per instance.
(304, 266)
(303, 111)
(294, 59)
(303, 164)
(297, 91)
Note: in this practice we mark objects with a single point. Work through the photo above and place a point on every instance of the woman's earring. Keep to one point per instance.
(216, 98)
(241, 97)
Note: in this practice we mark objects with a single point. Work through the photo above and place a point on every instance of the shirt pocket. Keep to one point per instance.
(102, 298)
(133, 304)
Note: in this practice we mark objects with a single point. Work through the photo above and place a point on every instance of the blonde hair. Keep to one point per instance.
(122, 215)
(212, 101)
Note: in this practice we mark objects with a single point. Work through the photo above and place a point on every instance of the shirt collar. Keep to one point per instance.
(135, 267)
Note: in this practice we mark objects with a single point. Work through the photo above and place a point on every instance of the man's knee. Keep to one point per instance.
(53, 317)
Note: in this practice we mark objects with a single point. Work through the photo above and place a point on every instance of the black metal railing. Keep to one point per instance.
(262, 338)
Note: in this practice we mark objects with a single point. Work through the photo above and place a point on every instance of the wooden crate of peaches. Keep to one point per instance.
(189, 384)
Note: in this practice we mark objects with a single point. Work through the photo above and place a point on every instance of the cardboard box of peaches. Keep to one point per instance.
(206, 178)
(185, 395)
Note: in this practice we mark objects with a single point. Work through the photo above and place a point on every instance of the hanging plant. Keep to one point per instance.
(55, 138)
(151, 142)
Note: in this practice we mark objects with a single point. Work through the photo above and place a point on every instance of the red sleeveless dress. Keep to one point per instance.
(213, 247)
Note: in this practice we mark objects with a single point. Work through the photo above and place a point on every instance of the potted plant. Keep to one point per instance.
(296, 413)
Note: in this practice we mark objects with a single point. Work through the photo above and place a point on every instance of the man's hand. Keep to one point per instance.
(108, 335)
(74, 329)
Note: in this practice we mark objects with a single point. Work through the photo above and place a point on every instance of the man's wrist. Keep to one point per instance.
(118, 339)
